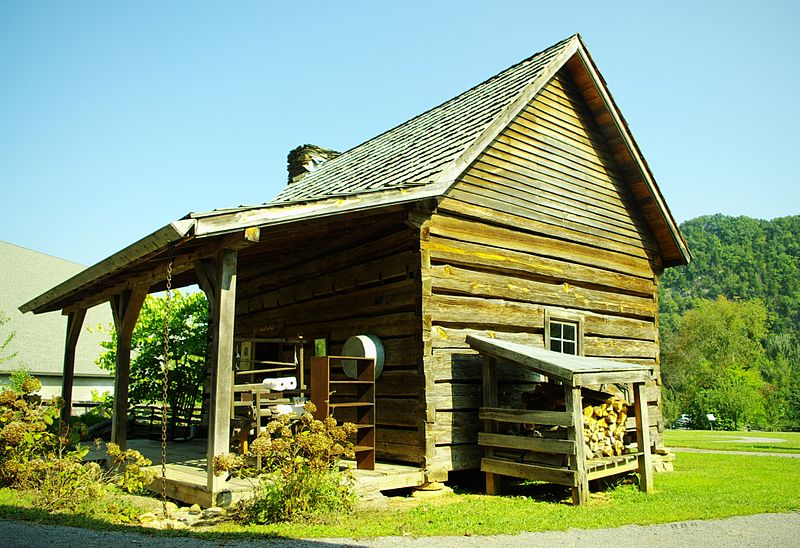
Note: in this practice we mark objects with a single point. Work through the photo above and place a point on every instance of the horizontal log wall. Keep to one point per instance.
(543, 222)
(357, 279)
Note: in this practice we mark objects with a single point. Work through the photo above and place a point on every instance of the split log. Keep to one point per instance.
(604, 418)
(604, 428)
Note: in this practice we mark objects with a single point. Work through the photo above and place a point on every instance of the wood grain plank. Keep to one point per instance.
(506, 238)
(535, 223)
(502, 260)
(544, 445)
(500, 203)
(463, 281)
(528, 471)
(502, 189)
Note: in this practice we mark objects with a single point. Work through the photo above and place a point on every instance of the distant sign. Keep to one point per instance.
(711, 417)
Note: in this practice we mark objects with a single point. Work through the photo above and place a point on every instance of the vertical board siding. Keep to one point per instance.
(543, 221)
(364, 280)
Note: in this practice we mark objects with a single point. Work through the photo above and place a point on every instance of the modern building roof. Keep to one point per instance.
(38, 341)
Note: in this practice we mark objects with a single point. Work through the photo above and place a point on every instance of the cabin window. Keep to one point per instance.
(564, 337)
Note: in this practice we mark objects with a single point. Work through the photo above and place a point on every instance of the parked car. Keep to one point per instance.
(684, 422)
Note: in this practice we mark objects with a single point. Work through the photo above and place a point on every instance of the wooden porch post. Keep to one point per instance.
(206, 271)
(224, 312)
(125, 308)
(643, 438)
(491, 400)
(74, 325)
(573, 401)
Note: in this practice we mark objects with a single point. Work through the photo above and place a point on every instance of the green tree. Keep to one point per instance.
(739, 258)
(711, 362)
(781, 374)
(188, 328)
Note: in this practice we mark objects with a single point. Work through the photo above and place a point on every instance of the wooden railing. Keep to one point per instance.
(505, 452)
(147, 421)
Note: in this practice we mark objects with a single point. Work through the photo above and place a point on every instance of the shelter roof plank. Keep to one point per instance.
(567, 368)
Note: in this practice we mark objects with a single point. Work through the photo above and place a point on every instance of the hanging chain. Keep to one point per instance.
(165, 383)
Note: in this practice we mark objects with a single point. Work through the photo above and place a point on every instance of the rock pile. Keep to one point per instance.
(181, 517)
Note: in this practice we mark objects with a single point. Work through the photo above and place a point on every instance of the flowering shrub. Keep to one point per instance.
(28, 432)
(37, 454)
(66, 483)
(129, 473)
(300, 475)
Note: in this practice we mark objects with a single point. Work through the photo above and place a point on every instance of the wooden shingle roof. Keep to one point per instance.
(418, 160)
(415, 152)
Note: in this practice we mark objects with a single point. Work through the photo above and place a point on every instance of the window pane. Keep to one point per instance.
(555, 345)
(569, 332)
(569, 348)
(555, 330)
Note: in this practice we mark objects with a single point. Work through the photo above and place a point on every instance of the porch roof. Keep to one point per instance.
(197, 237)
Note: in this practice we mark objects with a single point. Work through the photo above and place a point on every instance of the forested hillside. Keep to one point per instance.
(730, 322)
(738, 258)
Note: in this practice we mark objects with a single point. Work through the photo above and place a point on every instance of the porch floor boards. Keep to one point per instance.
(187, 479)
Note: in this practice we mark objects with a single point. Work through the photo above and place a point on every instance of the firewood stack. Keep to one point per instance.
(604, 428)
(604, 417)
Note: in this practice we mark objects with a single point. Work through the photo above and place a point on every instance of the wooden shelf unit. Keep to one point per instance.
(332, 390)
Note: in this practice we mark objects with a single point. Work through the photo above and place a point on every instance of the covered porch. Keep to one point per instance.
(210, 251)
(186, 474)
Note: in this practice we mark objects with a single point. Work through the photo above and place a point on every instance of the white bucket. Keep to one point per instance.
(362, 346)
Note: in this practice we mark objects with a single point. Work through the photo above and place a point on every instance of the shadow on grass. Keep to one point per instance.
(30, 516)
(776, 448)
(475, 484)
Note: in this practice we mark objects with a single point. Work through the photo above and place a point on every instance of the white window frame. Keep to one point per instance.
(562, 318)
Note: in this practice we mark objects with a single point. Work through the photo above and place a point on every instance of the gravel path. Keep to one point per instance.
(761, 530)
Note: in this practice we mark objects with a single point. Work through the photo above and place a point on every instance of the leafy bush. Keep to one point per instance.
(128, 472)
(21, 381)
(300, 477)
(711, 364)
(28, 432)
(66, 483)
(38, 454)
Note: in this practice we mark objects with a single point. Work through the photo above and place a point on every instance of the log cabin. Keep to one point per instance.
(521, 210)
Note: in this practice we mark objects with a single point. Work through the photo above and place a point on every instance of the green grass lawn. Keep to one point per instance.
(734, 441)
(703, 486)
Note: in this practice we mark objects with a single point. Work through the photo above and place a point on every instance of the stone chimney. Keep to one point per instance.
(307, 158)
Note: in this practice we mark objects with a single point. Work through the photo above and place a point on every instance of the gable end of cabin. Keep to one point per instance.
(543, 230)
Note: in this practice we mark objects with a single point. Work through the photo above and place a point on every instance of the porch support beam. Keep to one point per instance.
(223, 311)
(125, 307)
(643, 438)
(574, 405)
(206, 272)
(74, 325)
(180, 264)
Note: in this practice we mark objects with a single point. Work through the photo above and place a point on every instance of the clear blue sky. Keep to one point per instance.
(119, 117)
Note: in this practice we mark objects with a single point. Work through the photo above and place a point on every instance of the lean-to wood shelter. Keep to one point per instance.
(572, 372)
(520, 209)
